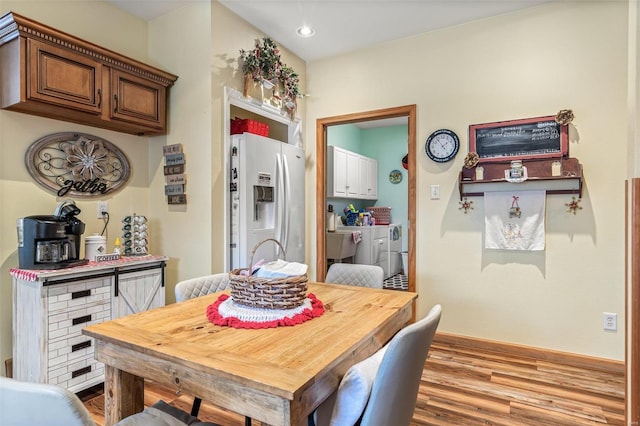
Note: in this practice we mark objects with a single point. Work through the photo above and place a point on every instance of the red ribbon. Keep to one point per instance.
(514, 203)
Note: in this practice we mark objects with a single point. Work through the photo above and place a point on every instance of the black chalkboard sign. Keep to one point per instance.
(528, 138)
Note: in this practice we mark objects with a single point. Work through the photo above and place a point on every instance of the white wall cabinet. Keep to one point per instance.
(351, 175)
(368, 178)
(336, 172)
(50, 309)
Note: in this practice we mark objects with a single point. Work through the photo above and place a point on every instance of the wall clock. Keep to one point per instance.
(442, 145)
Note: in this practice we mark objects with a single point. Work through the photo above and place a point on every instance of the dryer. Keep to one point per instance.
(395, 248)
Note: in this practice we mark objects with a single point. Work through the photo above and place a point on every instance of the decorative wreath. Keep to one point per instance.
(564, 116)
(471, 160)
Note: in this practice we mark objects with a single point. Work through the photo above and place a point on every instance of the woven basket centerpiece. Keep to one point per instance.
(267, 293)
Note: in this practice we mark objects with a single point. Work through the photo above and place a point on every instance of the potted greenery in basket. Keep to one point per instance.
(290, 90)
(262, 64)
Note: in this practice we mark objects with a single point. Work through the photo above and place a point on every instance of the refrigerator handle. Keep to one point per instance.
(287, 201)
(279, 203)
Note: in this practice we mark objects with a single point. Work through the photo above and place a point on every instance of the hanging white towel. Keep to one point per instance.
(514, 220)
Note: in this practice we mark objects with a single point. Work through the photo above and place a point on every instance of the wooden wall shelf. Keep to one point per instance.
(540, 178)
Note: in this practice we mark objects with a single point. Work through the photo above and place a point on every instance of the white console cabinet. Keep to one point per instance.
(50, 309)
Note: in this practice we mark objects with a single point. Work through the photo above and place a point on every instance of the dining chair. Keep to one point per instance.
(382, 390)
(200, 286)
(355, 274)
(28, 404)
(196, 287)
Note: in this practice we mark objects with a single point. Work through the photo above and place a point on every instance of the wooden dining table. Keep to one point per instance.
(275, 375)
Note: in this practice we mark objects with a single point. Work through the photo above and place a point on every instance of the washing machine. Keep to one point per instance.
(373, 248)
(395, 248)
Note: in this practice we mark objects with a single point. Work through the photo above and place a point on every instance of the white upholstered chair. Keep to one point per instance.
(200, 286)
(31, 404)
(382, 390)
(355, 274)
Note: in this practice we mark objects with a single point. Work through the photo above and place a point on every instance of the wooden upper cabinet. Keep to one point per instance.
(49, 73)
(136, 100)
(63, 78)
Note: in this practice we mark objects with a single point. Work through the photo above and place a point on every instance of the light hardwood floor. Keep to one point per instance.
(476, 386)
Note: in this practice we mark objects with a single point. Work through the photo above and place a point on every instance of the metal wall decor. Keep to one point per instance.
(77, 164)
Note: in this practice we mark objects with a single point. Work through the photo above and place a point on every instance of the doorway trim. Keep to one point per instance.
(632, 298)
(322, 124)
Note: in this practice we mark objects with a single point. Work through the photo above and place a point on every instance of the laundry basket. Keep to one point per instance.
(382, 215)
(267, 293)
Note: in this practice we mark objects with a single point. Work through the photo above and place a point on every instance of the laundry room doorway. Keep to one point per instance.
(383, 117)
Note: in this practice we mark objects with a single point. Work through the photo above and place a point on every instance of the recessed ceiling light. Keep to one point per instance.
(306, 31)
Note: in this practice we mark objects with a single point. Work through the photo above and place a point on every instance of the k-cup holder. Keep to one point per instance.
(134, 235)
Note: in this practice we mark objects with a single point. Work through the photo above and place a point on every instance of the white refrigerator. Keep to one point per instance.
(267, 200)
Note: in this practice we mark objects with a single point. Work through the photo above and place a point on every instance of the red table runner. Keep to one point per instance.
(225, 312)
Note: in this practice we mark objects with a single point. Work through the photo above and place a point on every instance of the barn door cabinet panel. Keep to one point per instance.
(138, 289)
(50, 309)
(52, 74)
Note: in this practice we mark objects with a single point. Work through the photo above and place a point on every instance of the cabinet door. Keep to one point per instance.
(337, 172)
(353, 174)
(137, 290)
(63, 78)
(363, 177)
(372, 178)
(138, 101)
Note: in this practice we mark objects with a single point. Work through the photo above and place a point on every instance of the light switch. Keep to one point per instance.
(435, 192)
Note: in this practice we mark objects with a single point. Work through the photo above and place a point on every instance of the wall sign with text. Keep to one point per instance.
(528, 138)
(175, 179)
(78, 165)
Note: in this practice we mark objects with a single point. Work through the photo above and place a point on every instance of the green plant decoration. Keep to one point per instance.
(263, 65)
(263, 62)
(290, 90)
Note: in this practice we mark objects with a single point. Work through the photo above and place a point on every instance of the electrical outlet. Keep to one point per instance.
(103, 207)
(435, 192)
(610, 321)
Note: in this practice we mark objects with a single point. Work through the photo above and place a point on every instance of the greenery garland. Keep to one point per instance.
(263, 64)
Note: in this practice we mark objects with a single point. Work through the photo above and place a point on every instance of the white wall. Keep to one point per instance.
(184, 231)
(526, 64)
(19, 195)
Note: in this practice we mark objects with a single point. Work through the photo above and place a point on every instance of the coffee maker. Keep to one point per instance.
(51, 242)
